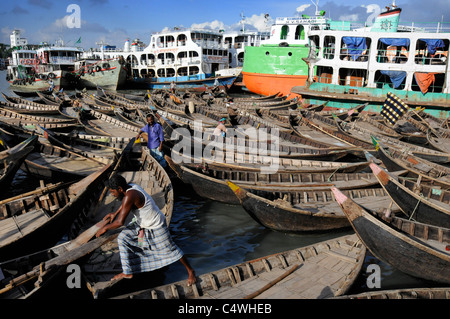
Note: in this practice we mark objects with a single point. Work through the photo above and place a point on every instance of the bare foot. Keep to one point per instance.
(121, 275)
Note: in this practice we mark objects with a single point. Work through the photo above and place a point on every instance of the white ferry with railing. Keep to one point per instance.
(350, 66)
(189, 58)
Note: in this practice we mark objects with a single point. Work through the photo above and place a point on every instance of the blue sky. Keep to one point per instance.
(114, 21)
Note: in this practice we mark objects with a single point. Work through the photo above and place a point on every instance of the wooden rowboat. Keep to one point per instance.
(416, 249)
(37, 281)
(407, 293)
(417, 167)
(97, 123)
(39, 219)
(56, 163)
(12, 158)
(154, 179)
(318, 271)
(423, 203)
(264, 163)
(305, 211)
(211, 182)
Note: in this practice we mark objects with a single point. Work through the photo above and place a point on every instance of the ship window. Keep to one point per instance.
(193, 54)
(392, 50)
(181, 39)
(431, 51)
(170, 72)
(284, 32)
(300, 32)
(183, 71)
(329, 47)
(151, 73)
(428, 82)
(355, 48)
(352, 77)
(161, 73)
(324, 74)
(193, 70)
(241, 57)
(267, 53)
(390, 79)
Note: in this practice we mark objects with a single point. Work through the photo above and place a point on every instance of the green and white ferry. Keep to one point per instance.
(355, 66)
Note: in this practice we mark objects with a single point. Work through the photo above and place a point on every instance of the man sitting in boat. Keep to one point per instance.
(221, 130)
(155, 138)
(145, 244)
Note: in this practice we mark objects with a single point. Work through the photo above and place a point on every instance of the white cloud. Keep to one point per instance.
(303, 7)
(259, 22)
(214, 25)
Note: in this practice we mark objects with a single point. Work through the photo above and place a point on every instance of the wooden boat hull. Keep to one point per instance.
(412, 204)
(303, 211)
(212, 183)
(412, 293)
(402, 251)
(46, 229)
(323, 270)
(12, 159)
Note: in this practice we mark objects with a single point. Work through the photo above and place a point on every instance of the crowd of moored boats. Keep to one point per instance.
(293, 167)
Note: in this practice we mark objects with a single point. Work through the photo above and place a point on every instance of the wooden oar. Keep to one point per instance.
(82, 239)
(85, 236)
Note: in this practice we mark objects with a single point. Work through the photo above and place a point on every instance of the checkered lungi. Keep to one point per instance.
(156, 250)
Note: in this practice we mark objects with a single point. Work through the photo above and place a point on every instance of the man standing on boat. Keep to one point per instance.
(221, 130)
(155, 139)
(145, 244)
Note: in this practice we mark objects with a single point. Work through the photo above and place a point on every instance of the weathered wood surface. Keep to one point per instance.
(412, 293)
(322, 270)
(416, 249)
(305, 211)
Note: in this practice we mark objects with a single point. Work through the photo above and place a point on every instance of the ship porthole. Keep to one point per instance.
(290, 53)
(267, 53)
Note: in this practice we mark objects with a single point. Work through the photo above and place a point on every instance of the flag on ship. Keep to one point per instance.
(393, 108)
(78, 41)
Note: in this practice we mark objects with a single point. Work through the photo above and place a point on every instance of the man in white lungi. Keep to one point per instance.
(145, 244)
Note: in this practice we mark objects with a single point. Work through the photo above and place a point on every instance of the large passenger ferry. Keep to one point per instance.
(277, 64)
(355, 66)
(189, 58)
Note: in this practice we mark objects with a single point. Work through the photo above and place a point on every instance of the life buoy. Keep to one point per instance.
(22, 61)
(98, 68)
(51, 75)
(43, 76)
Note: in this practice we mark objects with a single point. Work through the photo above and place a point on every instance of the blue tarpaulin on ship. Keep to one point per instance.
(355, 46)
(433, 44)
(396, 77)
(395, 42)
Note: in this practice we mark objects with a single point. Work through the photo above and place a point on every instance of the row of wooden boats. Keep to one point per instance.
(392, 193)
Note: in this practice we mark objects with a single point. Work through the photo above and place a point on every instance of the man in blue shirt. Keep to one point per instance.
(155, 139)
